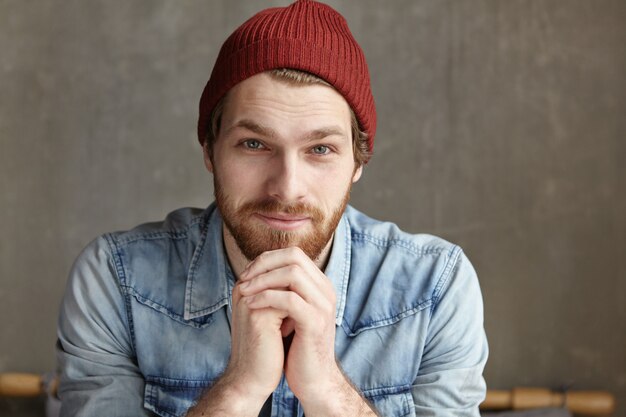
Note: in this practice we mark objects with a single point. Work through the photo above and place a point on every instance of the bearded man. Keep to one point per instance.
(279, 299)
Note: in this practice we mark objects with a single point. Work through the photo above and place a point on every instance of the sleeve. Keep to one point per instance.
(99, 373)
(450, 380)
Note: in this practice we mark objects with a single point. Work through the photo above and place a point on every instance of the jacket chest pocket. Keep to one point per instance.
(172, 397)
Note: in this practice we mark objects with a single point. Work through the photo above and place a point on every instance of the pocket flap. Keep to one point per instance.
(172, 397)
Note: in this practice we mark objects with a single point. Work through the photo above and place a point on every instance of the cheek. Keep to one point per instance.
(331, 185)
(239, 181)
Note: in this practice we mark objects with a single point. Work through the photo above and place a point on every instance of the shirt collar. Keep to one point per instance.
(210, 280)
(338, 267)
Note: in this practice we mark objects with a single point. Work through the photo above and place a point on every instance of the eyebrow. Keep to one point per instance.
(253, 127)
(266, 131)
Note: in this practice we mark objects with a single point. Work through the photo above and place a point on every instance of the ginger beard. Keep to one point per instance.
(253, 237)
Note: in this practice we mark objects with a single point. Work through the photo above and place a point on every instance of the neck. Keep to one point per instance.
(238, 260)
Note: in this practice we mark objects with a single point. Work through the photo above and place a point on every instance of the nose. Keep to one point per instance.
(286, 180)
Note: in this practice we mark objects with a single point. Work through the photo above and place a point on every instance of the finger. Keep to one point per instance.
(270, 260)
(286, 301)
(242, 307)
(236, 295)
(271, 313)
(290, 277)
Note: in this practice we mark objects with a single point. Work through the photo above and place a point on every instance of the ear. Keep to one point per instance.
(208, 163)
(357, 174)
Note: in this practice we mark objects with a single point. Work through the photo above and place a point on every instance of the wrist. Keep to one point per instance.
(245, 395)
(326, 395)
(228, 397)
(338, 397)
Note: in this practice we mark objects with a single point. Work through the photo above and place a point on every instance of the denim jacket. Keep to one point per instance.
(144, 326)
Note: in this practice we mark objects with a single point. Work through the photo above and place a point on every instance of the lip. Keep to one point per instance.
(283, 221)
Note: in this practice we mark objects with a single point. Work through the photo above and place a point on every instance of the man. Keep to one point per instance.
(279, 299)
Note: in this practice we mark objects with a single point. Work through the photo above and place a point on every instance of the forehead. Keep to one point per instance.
(284, 104)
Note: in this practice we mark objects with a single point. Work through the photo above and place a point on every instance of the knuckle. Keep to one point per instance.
(295, 251)
(258, 259)
(292, 300)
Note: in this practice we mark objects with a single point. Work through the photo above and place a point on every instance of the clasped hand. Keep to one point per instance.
(278, 293)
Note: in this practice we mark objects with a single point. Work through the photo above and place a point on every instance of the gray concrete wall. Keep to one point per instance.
(502, 127)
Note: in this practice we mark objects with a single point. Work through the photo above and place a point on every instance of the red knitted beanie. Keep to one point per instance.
(307, 36)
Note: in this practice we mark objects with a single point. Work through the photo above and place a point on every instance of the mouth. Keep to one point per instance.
(283, 221)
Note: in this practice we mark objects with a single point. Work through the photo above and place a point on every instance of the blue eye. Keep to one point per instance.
(321, 150)
(252, 144)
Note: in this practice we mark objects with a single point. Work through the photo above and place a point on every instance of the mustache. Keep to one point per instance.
(268, 206)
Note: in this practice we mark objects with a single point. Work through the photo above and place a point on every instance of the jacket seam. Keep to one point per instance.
(383, 242)
(387, 390)
(121, 278)
(391, 320)
(165, 310)
(176, 234)
(154, 236)
(178, 382)
(345, 276)
(444, 279)
(191, 273)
